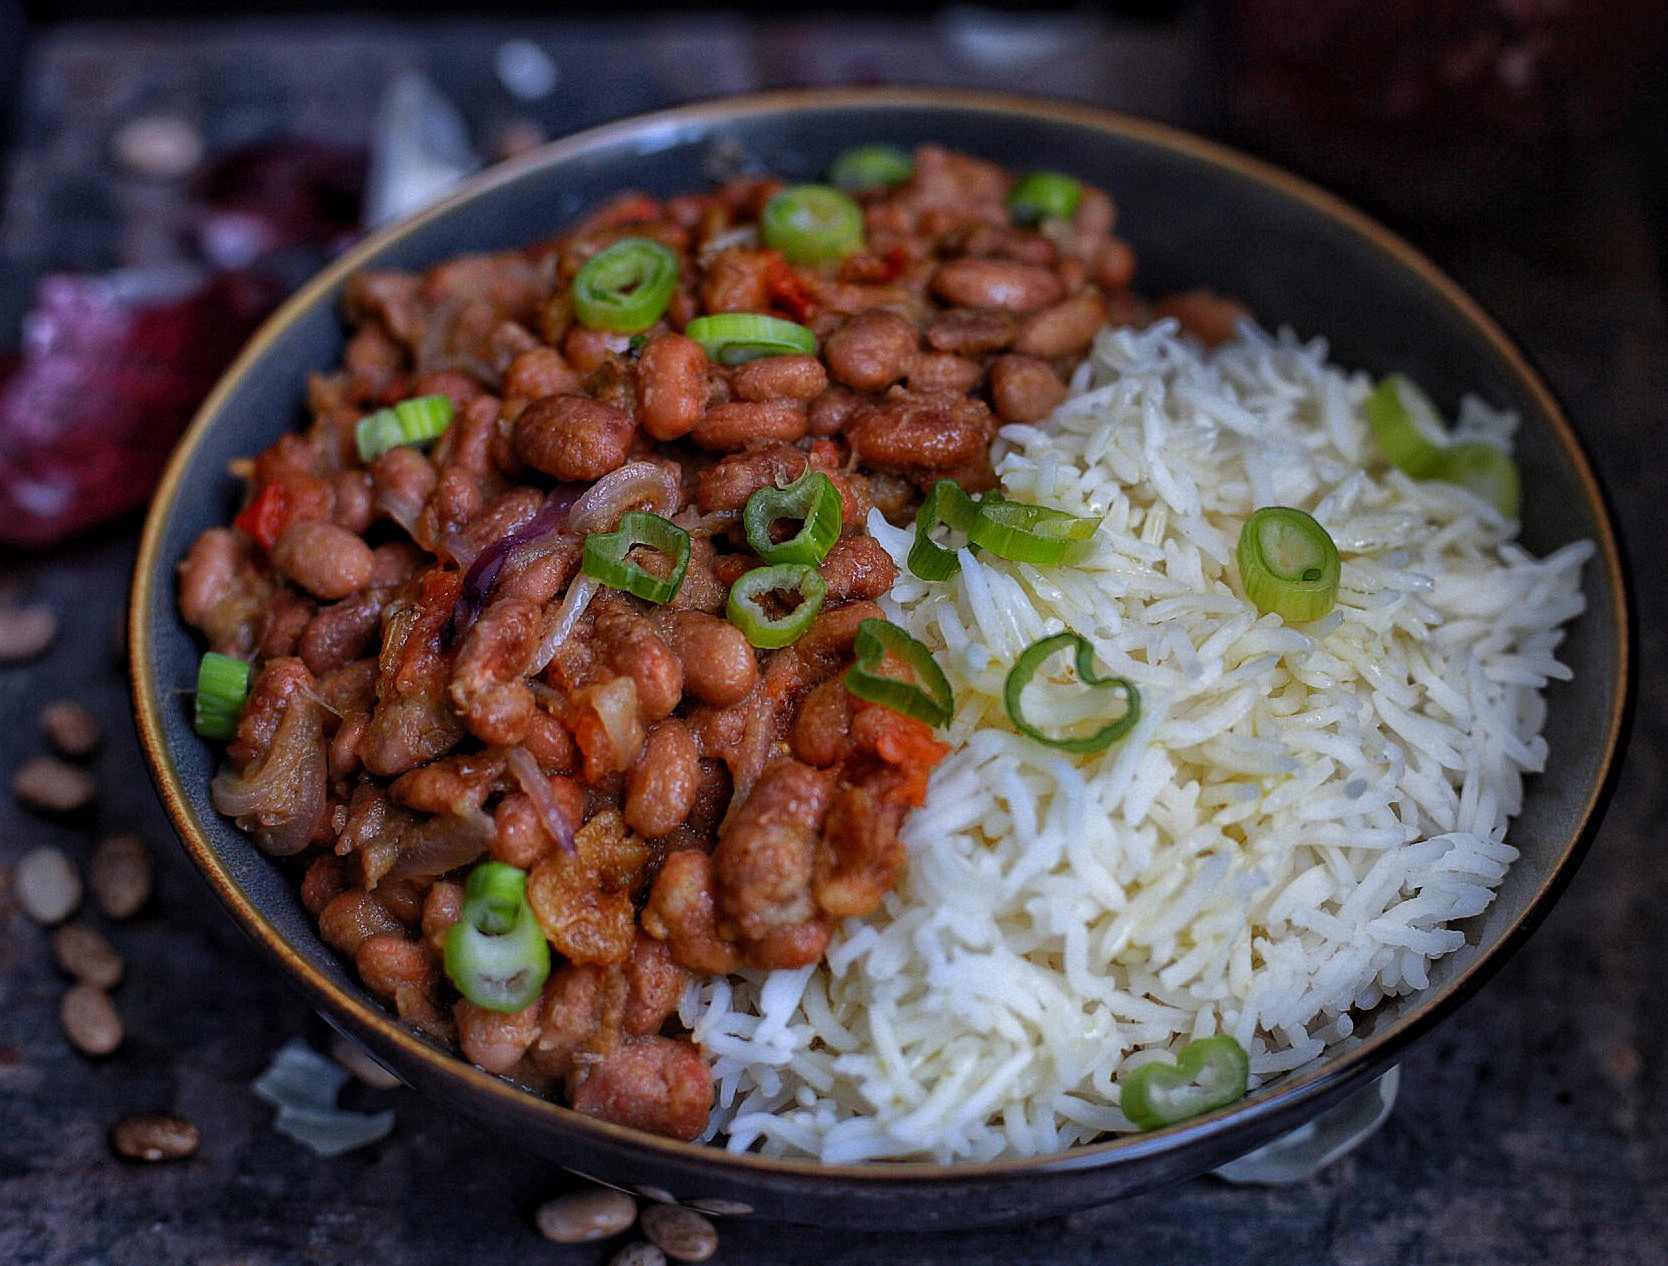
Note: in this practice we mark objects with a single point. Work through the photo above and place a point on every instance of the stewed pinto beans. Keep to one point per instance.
(548, 714)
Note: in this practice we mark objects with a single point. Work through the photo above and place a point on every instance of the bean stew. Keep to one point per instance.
(537, 638)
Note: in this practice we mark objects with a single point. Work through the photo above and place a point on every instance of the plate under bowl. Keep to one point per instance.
(1196, 214)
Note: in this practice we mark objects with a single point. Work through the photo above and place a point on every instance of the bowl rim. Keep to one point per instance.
(1313, 1087)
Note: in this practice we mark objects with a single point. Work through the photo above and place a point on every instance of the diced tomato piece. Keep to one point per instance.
(788, 291)
(264, 518)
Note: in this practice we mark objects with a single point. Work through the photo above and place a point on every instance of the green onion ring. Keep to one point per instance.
(867, 168)
(496, 953)
(1484, 469)
(625, 288)
(812, 498)
(946, 503)
(1209, 1073)
(767, 632)
(606, 553)
(1031, 534)
(733, 338)
(928, 698)
(1288, 564)
(414, 421)
(1044, 195)
(812, 224)
(1032, 658)
(222, 690)
(1413, 436)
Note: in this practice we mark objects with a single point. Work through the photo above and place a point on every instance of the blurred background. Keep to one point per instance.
(204, 158)
(173, 167)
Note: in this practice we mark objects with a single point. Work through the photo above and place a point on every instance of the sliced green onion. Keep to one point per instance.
(927, 698)
(812, 224)
(1288, 564)
(746, 606)
(222, 688)
(1044, 195)
(606, 555)
(414, 421)
(812, 498)
(1208, 1074)
(946, 503)
(1031, 534)
(865, 168)
(496, 953)
(1406, 425)
(1416, 440)
(1483, 469)
(732, 338)
(1025, 668)
(625, 287)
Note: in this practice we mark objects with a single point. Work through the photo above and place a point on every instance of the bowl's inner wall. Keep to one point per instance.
(1191, 221)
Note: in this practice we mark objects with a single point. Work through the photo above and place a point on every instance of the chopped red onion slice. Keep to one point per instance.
(647, 485)
(527, 772)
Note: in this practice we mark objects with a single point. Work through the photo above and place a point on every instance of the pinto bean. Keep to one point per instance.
(821, 733)
(519, 836)
(1207, 316)
(396, 563)
(835, 629)
(442, 908)
(654, 984)
(921, 433)
(352, 918)
(683, 911)
(671, 386)
(588, 350)
(342, 633)
(828, 413)
(1024, 389)
(388, 963)
(728, 428)
(540, 372)
(765, 853)
(662, 784)
(403, 478)
(1063, 330)
(872, 350)
(487, 687)
(800, 378)
(719, 666)
(323, 559)
(573, 437)
(353, 500)
(629, 644)
(651, 1083)
(727, 483)
(858, 566)
(496, 1040)
(1004, 284)
(322, 883)
(944, 371)
(1114, 265)
(972, 331)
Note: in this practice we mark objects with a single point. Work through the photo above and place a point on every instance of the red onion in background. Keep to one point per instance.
(108, 379)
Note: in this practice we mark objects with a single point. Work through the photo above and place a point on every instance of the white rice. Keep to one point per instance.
(1282, 840)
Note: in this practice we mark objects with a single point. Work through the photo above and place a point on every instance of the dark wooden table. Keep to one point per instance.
(1532, 1127)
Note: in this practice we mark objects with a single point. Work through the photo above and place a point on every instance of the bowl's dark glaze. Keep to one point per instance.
(1196, 215)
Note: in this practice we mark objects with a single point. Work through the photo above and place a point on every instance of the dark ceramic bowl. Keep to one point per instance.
(1196, 214)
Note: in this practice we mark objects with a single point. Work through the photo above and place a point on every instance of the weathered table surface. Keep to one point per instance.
(1531, 1128)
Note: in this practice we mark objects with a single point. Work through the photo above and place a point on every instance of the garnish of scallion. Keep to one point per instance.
(415, 421)
(812, 224)
(1288, 564)
(222, 688)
